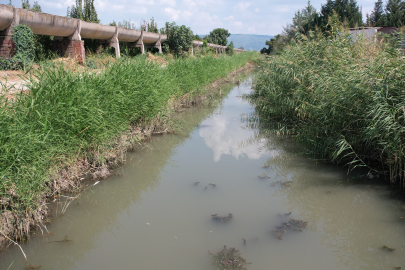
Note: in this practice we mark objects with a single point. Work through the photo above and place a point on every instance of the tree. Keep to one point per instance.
(83, 11)
(197, 37)
(229, 49)
(348, 12)
(395, 10)
(26, 5)
(149, 25)
(124, 24)
(179, 38)
(304, 21)
(377, 17)
(218, 36)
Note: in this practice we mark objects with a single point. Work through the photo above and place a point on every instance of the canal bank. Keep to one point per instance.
(64, 130)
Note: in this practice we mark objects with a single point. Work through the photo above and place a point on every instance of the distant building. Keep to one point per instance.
(373, 33)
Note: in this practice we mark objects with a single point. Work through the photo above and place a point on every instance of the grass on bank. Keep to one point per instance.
(66, 113)
(343, 99)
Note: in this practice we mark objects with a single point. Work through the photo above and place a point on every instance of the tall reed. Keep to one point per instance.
(342, 98)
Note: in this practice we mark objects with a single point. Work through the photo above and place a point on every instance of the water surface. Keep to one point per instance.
(152, 215)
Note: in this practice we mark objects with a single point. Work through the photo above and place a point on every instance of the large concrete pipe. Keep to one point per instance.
(97, 31)
(128, 35)
(58, 26)
(6, 16)
(47, 24)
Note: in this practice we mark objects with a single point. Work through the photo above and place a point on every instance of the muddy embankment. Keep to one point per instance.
(78, 174)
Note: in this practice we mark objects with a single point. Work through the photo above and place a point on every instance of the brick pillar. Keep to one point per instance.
(7, 47)
(71, 48)
(75, 50)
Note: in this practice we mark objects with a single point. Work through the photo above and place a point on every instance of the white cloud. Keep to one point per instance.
(118, 7)
(243, 5)
(237, 23)
(256, 10)
(140, 10)
(173, 13)
(228, 18)
(187, 14)
(171, 3)
(226, 138)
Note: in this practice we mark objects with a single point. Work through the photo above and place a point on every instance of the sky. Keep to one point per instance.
(259, 17)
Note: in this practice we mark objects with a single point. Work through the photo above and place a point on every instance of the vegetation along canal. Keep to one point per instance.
(171, 204)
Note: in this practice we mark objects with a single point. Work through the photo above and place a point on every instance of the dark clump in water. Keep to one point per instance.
(388, 248)
(292, 224)
(64, 240)
(229, 259)
(263, 176)
(222, 218)
(32, 267)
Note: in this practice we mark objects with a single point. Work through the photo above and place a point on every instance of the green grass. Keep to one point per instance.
(343, 100)
(65, 114)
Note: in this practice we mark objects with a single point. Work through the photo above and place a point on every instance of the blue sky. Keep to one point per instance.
(261, 17)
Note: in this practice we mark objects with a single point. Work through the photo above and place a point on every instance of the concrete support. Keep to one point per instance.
(7, 45)
(113, 42)
(140, 44)
(158, 44)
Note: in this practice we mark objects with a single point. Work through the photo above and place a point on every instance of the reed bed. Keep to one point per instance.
(343, 99)
(66, 113)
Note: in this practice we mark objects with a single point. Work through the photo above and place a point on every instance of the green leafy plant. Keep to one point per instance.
(179, 38)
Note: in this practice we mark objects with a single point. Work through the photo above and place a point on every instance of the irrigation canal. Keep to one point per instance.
(153, 215)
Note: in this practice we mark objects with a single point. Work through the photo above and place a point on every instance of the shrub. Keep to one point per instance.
(24, 42)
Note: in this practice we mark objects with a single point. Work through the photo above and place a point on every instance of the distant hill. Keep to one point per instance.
(248, 42)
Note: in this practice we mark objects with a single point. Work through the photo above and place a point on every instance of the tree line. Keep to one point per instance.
(348, 12)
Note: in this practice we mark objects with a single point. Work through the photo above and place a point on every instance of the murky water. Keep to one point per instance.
(152, 215)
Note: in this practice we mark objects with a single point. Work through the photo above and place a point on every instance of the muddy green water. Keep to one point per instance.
(151, 215)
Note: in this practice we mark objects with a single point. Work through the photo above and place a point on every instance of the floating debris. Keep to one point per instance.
(263, 176)
(32, 267)
(397, 267)
(214, 185)
(229, 259)
(287, 214)
(196, 183)
(292, 224)
(278, 233)
(388, 248)
(222, 218)
(285, 183)
(328, 192)
(244, 240)
(66, 240)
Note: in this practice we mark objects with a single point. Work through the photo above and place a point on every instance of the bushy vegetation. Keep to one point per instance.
(179, 38)
(65, 114)
(218, 36)
(24, 49)
(343, 99)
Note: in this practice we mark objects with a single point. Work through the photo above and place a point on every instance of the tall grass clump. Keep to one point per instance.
(343, 98)
(65, 115)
